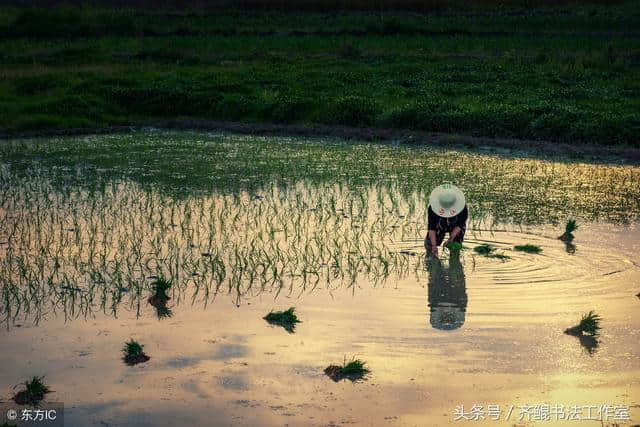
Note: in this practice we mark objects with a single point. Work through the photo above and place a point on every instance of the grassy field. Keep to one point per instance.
(567, 74)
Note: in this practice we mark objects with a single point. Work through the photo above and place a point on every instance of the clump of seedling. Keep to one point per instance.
(484, 249)
(287, 319)
(489, 251)
(354, 370)
(569, 228)
(159, 298)
(133, 353)
(455, 246)
(160, 287)
(33, 392)
(589, 325)
(532, 249)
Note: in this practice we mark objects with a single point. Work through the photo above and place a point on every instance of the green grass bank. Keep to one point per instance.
(561, 73)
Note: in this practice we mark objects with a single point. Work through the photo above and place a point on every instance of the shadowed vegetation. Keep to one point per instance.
(287, 319)
(133, 353)
(33, 393)
(447, 72)
(532, 249)
(354, 370)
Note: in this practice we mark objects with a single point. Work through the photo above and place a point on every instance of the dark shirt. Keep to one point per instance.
(447, 224)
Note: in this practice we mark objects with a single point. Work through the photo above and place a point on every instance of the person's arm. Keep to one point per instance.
(461, 221)
(431, 233)
(432, 238)
(454, 233)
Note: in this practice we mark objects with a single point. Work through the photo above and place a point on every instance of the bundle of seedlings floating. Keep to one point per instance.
(159, 298)
(589, 325)
(569, 228)
(33, 392)
(532, 249)
(287, 319)
(354, 370)
(133, 353)
(489, 251)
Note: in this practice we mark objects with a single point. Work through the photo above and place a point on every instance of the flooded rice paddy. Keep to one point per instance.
(240, 226)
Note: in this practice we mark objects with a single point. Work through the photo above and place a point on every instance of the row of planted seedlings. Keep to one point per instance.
(77, 251)
(71, 251)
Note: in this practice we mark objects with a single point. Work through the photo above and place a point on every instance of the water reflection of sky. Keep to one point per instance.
(336, 232)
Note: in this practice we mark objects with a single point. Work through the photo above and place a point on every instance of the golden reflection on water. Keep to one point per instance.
(77, 270)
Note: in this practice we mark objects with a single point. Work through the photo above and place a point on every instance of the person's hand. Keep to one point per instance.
(434, 250)
(447, 243)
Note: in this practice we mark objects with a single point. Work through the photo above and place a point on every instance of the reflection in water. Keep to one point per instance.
(160, 304)
(447, 292)
(569, 247)
(589, 343)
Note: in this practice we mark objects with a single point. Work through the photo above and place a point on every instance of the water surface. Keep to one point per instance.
(243, 225)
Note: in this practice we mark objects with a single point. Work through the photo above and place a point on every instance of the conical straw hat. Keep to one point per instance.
(447, 200)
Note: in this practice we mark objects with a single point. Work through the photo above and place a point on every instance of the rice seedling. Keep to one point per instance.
(34, 391)
(488, 251)
(287, 319)
(455, 246)
(354, 370)
(237, 246)
(133, 353)
(569, 228)
(589, 325)
(484, 249)
(532, 249)
(160, 288)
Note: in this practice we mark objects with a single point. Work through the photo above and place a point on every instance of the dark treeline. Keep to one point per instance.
(421, 6)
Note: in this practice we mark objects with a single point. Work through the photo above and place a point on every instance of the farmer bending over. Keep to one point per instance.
(447, 214)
